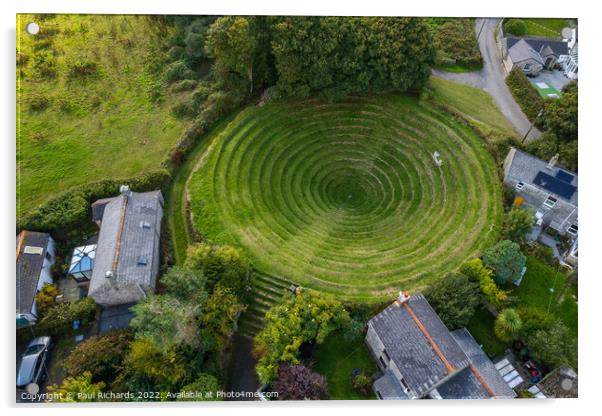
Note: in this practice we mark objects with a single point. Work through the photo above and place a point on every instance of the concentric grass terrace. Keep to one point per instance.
(346, 197)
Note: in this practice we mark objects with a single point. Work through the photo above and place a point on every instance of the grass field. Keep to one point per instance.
(336, 359)
(534, 290)
(546, 27)
(481, 328)
(346, 197)
(473, 103)
(90, 102)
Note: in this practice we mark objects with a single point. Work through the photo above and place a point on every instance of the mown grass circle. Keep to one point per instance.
(346, 197)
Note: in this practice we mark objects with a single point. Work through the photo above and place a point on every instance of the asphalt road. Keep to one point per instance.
(491, 78)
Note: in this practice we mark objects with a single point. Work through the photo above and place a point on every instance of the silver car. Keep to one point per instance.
(33, 362)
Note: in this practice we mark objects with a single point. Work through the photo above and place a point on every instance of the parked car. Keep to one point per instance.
(33, 362)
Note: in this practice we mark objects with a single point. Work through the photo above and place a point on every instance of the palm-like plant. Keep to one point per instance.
(507, 325)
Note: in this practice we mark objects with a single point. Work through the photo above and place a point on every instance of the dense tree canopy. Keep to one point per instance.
(219, 315)
(205, 388)
(78, 389)
(306, 317)
(336, 56)
(490, 292)
(560, 115)
(506, 261)
(553, 345)
(454, 298)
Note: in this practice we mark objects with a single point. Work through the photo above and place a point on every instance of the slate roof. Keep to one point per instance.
(123, 245)
(115, 317)
(411, 350)
(525, 167)
(521, 51)
(29, 267)
(485, 368)
(389, 388)
(557, 46)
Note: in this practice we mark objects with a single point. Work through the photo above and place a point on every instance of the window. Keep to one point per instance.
(406, 386)
(142, 261)
(144, 224)
(387, 355)
(550, 202)
(520, 186)
(572, 230)
(48, 256)
(382, 362)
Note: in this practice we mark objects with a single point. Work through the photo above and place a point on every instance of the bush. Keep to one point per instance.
(518, 223)
(490, 292)
(45, 298)
(507, 325)
(60, 317)
(205, 388)
(525, 93)
(38, 101)
(184, 85)
(553, 345)
(178, 70)
(516, 27)
(102, 356)
(183, 109)
(297, 382)
(362, 384)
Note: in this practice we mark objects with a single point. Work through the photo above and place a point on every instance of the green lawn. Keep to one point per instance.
(337, 359)
(534, 290)
(481, 328)
(546, 27)
(90, 102)
(457, 68)
(345, 197)
(473, 103)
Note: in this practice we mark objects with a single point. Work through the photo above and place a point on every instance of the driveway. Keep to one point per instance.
(491, 78)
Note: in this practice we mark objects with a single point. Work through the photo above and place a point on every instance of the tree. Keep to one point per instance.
(518, 223)
(491, 293)
(297, 382)
(166, 321)
(60, 316)
(185, 284)
(231, 43)
(78, 389)
(220, 264)
(307, 317)
(219, 315)
(553, 345)
(45, 298)
(336, 56)
(152, 369)
(455, 299)
(205, 388)
(101, 356)
(560, 115)
(516, 27)
(506, 261)
(507, 325)
(533, 319)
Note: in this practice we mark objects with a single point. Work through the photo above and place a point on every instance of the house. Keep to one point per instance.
(420, 358)
(570, 62)
(35, 257)
(532, 55)
(562, 383)
(126, 261)
(547, 188)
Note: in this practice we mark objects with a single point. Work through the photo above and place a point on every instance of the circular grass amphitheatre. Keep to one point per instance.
(346, 197)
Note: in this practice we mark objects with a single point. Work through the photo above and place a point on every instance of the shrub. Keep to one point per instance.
(525, 93)
(553, 345)
(38, 101)
(178, 70)
(45, 298)
(491, 294)
(60, 317)
(518, 223)
(184, 85)
(455, 299)
(516, 27)
(78, 389)
(362, 384)
(507, 325)
(297, 382)
(102, 356)
(83, 69)
(205, 388)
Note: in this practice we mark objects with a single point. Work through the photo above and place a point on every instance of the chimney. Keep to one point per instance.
(402, 298)
(553, 161)
(125, 190)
